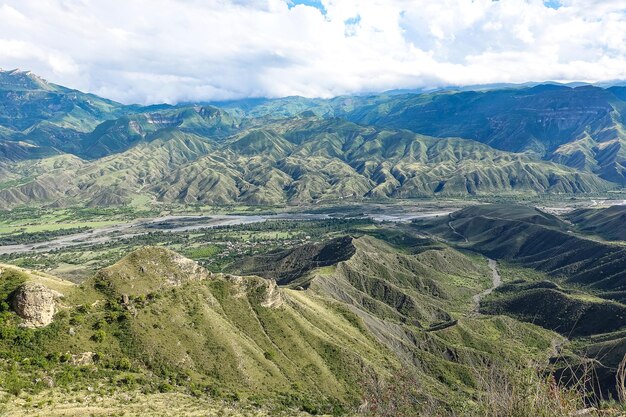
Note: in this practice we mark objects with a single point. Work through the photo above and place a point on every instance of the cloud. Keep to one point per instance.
(151, 51)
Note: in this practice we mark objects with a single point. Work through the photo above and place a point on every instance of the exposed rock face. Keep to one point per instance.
(273, 297)
(36, 304)
(267, 289)
(82, 359)
(189, 267)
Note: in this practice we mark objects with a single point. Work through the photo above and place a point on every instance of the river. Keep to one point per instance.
(173, 224)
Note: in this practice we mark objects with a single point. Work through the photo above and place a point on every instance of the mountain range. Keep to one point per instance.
(63, 147)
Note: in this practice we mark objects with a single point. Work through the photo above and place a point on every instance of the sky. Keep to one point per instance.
(152, 51)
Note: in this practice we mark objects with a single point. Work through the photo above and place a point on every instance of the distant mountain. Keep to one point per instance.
(27, 100)
(118, 135)
(546, 138)
(297, 160)
(581, 127)
(46, 115)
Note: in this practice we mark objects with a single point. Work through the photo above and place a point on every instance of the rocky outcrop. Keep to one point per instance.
(263, 291)
(35, 304)
(82, 359)
(189, 267)
(272, 297)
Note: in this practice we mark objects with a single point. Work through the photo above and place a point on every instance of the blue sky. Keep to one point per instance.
(149, 51)
(553, 4)
(312, 3)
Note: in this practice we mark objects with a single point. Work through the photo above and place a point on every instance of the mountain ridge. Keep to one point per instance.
(300, 151)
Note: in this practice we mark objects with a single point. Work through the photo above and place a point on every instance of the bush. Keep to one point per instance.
(13, 383)
(123, 364)
(165, 387)
(99, 336)
(100, 324)
(10, 279)
(127, 380)
(77, 319)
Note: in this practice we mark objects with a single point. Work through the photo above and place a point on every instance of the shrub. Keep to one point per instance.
(98, 325)
(123, 364)
(99, 336)
(165, 387)
(10, 279)
(13, 383)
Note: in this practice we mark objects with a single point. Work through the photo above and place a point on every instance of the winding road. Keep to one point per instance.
(496, 281)
(451, 226)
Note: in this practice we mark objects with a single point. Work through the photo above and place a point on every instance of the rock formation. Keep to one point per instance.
(35, 304)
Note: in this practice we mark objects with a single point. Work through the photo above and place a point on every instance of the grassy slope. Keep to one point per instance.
(551, 248)
(297, 161)
(236, 337)
(574, 287)
(606, 222)
(417, 302)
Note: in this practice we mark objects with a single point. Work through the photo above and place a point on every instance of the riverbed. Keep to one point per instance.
(185, 223)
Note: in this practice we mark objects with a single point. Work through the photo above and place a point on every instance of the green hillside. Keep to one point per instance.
(301, 160)
(580, 127)
(118, 135)
(303, 151)
(161, 321)
(576, 287)
(526, 239)
(47, 115)
(606, 222)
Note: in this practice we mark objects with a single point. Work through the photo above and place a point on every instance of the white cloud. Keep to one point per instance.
(191, 50)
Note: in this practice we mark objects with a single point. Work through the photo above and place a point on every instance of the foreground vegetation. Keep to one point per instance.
(372, 318)
(151, 330)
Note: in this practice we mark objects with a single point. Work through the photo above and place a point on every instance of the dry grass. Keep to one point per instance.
(620, 381)
(501, 390)
(55, 403)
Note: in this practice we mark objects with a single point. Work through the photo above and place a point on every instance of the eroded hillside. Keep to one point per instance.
(62, 147)
(161, 320)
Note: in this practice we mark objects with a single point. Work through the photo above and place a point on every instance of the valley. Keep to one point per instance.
(496, 282)
(435, 287)
(181, 223)
(437, 253)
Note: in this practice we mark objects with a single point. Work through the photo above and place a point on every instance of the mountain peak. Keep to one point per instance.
(17, 79)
